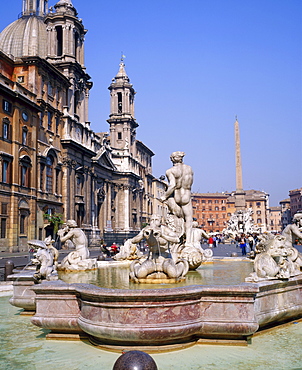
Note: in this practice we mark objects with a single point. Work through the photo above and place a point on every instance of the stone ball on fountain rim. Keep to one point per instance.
(135, 360)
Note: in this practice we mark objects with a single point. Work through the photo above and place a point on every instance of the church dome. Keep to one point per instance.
(27, 36)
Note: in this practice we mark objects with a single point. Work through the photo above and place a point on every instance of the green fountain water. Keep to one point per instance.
(24, 346)
(218, 272)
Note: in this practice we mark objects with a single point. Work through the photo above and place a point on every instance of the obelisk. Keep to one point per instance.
(239, 193)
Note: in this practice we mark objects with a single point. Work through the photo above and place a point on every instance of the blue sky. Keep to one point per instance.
(195, 65)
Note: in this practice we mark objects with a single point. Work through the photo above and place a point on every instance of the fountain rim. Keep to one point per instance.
(94, 290)
(90, 290)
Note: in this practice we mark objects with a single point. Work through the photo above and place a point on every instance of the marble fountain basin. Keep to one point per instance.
(160, 317)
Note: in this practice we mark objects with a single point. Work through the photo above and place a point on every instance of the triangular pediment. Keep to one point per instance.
(103, 159)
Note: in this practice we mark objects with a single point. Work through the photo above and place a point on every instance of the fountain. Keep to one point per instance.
(178, 315)
(241, 222)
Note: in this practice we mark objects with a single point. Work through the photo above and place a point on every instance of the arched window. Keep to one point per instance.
(25, 167)
(49, 174)
(59, 31)
(119, 102)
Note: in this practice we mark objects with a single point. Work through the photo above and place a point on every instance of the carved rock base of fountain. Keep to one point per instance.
(23, 296)
(82, 265)
(158, 271)
(158, 278)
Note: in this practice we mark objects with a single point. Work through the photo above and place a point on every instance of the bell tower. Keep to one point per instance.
(65, 39)
(121, 119)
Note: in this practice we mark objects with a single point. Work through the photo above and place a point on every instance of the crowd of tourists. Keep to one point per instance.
(246, 242)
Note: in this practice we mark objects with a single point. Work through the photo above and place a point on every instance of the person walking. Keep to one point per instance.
(243, 245)
(210, 242)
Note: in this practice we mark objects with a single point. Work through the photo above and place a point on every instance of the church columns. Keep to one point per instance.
(85, 104)
(108, 207)
(127, 209)
(65, 40)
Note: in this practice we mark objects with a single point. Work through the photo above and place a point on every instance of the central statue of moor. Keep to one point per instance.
(178, 193)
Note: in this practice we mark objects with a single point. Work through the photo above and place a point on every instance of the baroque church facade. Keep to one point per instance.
(53, 166)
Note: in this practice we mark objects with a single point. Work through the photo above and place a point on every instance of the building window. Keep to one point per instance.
(49, 121)
(24, 176)
(59, 31)
(22, 224)
(7, 106)
(40, 233)
(258, 212)
(210, 201)
(57, 124)
(42, 167)
(49, 174)
(259, 221)
(216, 208)
(5, 171)
(76, 45)
(258, 204)
(203, 201)
(25, 165)
(223, 208)
(3, 228)
(119, 102)
(50, 89)
(20, 79)
(76, 99)
(24, 116)
(57, 190)
(41, 118)
(80, 185)
(4, 208)
(24, 136)
(119, 136)
(5, 130)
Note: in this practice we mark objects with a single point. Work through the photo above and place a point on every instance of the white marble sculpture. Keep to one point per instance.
(276, 257)
(174, 245)
(128, 251)
(178, 193)
(241, 222)
(159, 267)
(79, 259)
(45, 259)
(195, 254)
